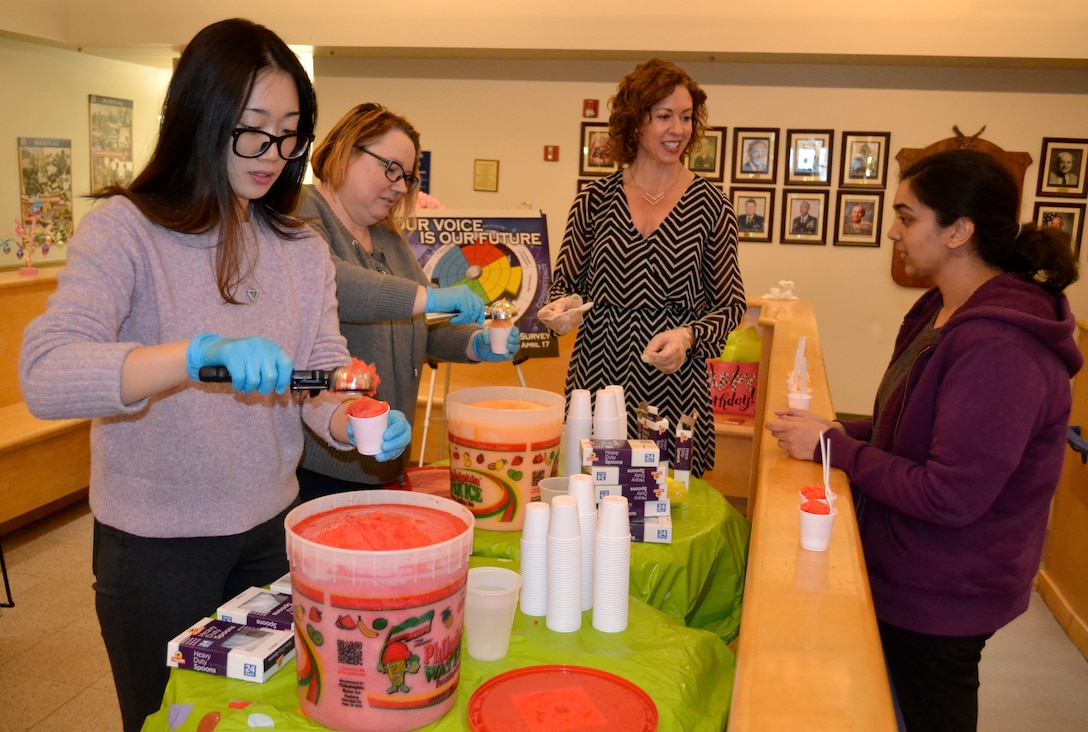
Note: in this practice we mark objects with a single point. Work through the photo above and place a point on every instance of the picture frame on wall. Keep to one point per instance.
(755, 155)
(857, 218)
(804, 216)
(864, 162)
(584, 183)
(111, 141)
(708, 157)
(755, 212)
(1067, 217)
(809, 161)
(593, 160)
(1062, 167)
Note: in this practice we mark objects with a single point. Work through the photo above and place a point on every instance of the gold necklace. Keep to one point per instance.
(651, 198)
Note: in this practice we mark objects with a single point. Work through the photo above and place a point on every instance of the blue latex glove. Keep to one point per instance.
(481, 345)
(397, 436)
(255, 364)
(457, 299)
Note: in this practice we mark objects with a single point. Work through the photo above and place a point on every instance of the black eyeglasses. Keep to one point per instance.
(255, 143)
(394, 171)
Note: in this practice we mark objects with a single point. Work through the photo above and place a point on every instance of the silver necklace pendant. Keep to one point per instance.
(652, 200)
(253, 294)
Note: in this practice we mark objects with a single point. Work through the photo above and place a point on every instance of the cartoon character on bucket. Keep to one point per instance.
(396, 659)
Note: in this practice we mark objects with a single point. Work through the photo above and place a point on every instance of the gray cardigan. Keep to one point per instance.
(376, 319)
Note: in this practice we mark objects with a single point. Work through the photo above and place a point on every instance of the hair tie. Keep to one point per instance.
(1019, 228)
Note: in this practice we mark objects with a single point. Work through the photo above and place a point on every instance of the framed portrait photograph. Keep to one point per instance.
(755, 212)
(1062, 167)
(857, 218)
(708, 157)
(1067, 217)
(755, 155)
(593, 160)
(864, 162)
(804, 217)
(809, 162)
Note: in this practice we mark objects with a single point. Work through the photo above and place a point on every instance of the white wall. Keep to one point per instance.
(46, 94)
(952, 28)
(508, 110)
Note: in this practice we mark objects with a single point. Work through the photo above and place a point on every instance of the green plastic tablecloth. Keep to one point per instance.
(686, 671)
(698, 579)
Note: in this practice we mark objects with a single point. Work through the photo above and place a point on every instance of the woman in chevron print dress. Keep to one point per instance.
(654, 247)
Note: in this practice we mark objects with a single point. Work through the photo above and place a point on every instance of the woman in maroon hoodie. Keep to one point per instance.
(953, 475)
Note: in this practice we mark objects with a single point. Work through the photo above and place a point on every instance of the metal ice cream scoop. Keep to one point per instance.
(344, 378)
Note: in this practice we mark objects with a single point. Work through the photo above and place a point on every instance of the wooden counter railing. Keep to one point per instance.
(1061, 582)
(43, 463)
(808, 656)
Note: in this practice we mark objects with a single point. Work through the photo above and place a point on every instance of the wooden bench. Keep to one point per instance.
(44, 464)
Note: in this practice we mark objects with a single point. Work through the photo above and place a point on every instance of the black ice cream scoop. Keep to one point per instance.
(345, 378)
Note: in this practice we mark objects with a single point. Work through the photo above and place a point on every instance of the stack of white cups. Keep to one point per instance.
(581, 487)
(564, 558)
(606, 421)
(579, 427)
(612, 573)
(534, 564)
(621, 409)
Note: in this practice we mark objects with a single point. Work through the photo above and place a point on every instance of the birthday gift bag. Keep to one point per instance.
(733, 376)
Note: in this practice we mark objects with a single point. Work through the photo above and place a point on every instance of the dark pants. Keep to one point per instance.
(147, 591)
(935, 678)
(313, 485)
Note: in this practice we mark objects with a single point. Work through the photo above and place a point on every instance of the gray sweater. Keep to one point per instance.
(199, 459)
(377, 294)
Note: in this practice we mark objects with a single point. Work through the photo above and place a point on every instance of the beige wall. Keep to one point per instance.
(953, 28)
(509, 109)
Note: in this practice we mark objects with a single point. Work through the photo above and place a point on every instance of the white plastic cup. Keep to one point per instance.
(368, 432)
(499, 334)
(581, 487)
(580, 405)
(605, 418)
(534, 578)
(577, 429)
(612, 519)
(816, 529)
(491, 600)
(621, 409)
(611, 585)
(797, 400)
(588, 526)
(535, 529)
(550, 488)
(563, 522)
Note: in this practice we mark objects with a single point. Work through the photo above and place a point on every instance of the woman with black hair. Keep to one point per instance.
(197, 263)
(953, 475)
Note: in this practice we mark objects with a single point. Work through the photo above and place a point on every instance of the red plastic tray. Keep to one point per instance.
(560, 698)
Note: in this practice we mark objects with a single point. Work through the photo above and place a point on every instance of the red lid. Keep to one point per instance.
(560, 699)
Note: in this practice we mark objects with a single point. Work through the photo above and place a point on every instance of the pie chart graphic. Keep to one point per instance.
(493, 271)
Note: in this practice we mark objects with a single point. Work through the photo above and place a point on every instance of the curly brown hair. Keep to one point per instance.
(636, 94)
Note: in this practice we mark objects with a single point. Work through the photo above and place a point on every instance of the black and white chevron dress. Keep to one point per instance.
(685, 273)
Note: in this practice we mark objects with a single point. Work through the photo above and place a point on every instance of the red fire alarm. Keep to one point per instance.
(551, 153)
(590, 107)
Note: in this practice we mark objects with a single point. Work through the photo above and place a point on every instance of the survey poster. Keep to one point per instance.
(500, 255)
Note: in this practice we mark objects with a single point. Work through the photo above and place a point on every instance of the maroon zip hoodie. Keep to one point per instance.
(953, 509)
